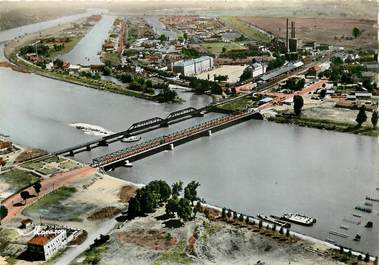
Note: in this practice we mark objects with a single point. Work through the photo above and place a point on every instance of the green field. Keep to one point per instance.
(18, 179)
(111, 57)
(57, 206)
(68, 46)
(216, 47)
(245, 29)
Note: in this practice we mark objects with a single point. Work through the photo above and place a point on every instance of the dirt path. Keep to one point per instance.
(15, 204)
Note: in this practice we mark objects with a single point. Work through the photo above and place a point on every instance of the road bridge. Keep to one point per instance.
(159, 144)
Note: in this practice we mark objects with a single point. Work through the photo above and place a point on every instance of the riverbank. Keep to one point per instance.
(11, 49)
(324, 124)
(205, 239)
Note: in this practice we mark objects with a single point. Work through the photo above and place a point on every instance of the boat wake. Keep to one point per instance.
(91, 129)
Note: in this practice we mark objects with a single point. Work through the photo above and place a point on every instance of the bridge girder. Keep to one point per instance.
(180, 113)
(145, 124)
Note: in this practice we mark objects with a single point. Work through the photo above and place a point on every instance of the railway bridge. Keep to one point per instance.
(135, 129)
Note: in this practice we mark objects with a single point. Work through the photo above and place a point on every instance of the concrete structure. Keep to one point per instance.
(195, 66)
(258, 69)
(294, 44)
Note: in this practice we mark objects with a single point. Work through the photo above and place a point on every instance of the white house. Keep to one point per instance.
(46, 244)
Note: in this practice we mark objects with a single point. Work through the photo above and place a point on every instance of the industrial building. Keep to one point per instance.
(195, 66)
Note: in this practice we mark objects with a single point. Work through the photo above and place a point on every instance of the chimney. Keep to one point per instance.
(287, 40)
(293, 33)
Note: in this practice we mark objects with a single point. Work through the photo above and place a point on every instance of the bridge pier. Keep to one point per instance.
(209, 133)
(88, 148)
(103, 143)
(164, 124)
(198, 114)
(71, 153)
(171, 147)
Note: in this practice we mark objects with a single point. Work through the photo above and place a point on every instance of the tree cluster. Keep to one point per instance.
(201, 86)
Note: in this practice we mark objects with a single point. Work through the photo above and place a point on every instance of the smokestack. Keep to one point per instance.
(287, 40)
(293, 33)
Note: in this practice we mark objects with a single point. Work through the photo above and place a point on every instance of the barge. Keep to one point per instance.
(272, 219)
(298, 219)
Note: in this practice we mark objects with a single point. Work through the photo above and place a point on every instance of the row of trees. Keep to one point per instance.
(40, 49)
(362, 117)
(201, 86)
(158, 192)
(229, 214)
(24, 195)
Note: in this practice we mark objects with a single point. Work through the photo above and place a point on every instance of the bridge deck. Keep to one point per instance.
(158, 142)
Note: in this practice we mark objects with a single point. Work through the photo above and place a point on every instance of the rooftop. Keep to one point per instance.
(40, 240)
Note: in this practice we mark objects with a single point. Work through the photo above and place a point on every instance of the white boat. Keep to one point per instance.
(128, 164)
(299, 219)
(131, 139)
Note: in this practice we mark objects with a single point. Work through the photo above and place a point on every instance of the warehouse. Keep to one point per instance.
(195, 66)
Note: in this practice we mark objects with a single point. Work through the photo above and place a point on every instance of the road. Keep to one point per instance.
(73, 252)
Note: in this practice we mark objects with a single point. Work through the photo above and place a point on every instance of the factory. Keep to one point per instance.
(292, 43)
(195, 66)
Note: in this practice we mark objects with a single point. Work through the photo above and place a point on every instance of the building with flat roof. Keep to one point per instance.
(195, 66)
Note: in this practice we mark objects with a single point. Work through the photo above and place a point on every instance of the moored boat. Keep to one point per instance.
(298, 219)
(274, 220)
(131, 139)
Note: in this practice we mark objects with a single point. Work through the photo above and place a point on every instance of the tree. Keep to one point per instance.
(190, 192)
(223, 213)
(229, 213)
(25, 195)
(134, 208)
(298, 104)
(58, 63)
(223, 49)
(172, 206)
(367, 257)
(149, 83)
(281, 230)
(3, 212)
(184, 209)
(37, 187)
(361, 117)
(162, 188)
(247, 74)
(107, 70)
(356, 32)
(374, 118)
(240, 218)
(197, 209)
(287, 232)
(177, 188)
(322, 93)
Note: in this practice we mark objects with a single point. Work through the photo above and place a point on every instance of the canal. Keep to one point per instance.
(255, 167)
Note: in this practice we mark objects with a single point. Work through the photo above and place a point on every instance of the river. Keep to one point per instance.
(255, 167)
(86, 51)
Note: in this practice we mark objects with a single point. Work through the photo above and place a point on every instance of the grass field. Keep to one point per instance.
(68, 46)
(111, 57)
(244, 28)
(58, 205)
(216, 47)
(17, 179)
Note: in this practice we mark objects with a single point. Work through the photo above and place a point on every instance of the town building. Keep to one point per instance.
(46, 244)
(258, 69)
(195, 66)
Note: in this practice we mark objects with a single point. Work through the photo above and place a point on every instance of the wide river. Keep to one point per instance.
(255, 167)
